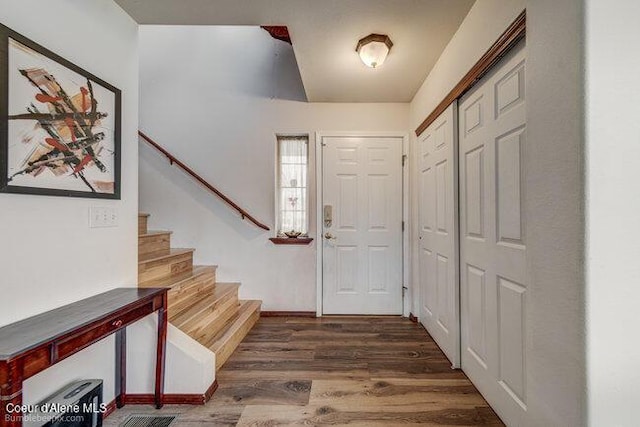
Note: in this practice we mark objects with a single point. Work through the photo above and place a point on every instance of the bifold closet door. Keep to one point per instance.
(493, 236)
(438, 239)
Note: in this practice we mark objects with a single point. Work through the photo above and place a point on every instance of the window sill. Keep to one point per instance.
(291, 241)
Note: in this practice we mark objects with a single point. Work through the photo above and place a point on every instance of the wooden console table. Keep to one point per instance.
(34, 344)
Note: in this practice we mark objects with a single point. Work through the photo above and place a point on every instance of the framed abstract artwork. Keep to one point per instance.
(59, 124)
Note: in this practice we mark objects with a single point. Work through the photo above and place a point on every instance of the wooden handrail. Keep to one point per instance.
(187, 169)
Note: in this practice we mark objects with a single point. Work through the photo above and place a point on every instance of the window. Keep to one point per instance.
(292, 192)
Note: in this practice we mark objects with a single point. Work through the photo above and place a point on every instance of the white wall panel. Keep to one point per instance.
(612, 193)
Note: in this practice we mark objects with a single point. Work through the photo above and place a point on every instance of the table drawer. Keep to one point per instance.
(70, 345)
(36, 361)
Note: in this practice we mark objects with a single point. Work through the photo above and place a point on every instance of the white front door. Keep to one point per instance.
(438, 239)
(493, 236)
(362, 225)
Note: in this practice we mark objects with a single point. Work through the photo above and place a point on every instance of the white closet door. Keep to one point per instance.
(439, 232)
(493, 239)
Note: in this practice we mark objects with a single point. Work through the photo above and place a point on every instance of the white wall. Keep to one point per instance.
(555, 342)
(190, 367)
(216, 97)
(613, 210)
(554, 188)
(48, 255)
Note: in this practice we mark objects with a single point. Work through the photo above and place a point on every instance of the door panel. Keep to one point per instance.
(493, 285)
(362, 256)
(438, 201)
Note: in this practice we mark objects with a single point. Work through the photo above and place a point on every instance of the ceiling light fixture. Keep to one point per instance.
(373, 49)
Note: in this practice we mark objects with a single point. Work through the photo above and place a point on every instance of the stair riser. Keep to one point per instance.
(180, 289)
(142, 224)
(196, 311)
(191, 286)
(207, 325)
(201, 304)
(164, 268)
(225, 351)
(159, 243)
(214, 329)
(200, 276)
(177, 308)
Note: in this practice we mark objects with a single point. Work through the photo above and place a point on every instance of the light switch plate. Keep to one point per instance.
(100, 217)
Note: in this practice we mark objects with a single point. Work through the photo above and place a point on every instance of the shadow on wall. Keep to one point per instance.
(173, 184)
(287, 78)
(276, 74)
(206, 61)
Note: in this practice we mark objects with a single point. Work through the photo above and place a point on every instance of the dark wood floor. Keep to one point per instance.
(356, 371)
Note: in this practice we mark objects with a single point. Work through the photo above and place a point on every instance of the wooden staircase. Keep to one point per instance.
(207, 311)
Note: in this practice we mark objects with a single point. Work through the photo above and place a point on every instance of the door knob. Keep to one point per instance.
(329, 236)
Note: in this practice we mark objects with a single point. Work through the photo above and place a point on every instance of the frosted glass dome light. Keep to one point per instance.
(373, 49)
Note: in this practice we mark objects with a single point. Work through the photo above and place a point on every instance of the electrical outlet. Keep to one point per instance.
(100, 217)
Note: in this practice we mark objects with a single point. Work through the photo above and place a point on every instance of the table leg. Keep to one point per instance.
(121, 367)
(10, 393)
(161, 352)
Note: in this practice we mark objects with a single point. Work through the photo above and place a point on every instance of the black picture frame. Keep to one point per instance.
(5, 185)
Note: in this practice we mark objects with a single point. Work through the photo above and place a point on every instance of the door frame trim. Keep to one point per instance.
(406, 300)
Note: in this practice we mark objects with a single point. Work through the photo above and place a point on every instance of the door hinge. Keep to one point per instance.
(404, 159)
(404, 290)
(402, 225)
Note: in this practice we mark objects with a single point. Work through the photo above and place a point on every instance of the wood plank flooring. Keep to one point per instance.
(355, 371)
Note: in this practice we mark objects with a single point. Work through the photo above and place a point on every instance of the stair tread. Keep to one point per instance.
(245, 310)
(174, 281)
(220, 291)
(150, 257)
(150, 233)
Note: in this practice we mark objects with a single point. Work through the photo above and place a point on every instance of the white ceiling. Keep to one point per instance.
(325, 34)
